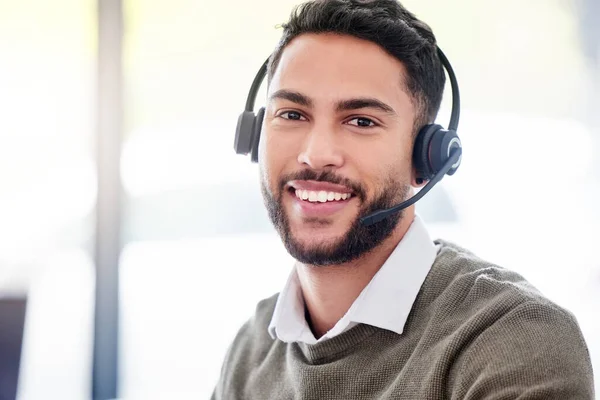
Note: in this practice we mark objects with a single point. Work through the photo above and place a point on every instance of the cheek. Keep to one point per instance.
(390, 166)
(279, 147)
(273, 156)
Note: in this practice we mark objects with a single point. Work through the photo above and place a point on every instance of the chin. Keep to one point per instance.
(321, 239)
(318, 232)
(318, 227)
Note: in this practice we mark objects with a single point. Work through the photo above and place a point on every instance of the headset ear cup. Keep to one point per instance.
(442, 143)
(242, 143)
(421, 148)
(256, 133)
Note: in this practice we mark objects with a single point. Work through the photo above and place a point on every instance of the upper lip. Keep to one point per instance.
(318, 186)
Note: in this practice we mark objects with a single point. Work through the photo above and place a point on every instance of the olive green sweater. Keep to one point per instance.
(476, 331)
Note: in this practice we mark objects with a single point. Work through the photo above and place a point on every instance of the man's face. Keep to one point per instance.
(336, 145)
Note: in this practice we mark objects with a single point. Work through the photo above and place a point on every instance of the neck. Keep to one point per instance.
(330, 291)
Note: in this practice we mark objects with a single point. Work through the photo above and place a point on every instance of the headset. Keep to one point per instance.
(436, 152)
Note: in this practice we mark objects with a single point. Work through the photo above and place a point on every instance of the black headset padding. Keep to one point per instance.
(440, 148)
(421, 151)
(243, 133)
(256, 133)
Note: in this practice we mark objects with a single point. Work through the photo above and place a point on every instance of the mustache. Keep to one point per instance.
(323, 176)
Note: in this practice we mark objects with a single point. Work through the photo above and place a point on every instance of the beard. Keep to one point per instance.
(357, 241)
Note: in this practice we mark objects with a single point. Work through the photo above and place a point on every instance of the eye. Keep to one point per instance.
(363, 122)
(291, 115)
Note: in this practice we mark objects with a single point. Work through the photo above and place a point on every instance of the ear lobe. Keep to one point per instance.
(419, 183)
(416, 181)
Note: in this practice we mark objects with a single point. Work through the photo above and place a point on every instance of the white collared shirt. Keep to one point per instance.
(385, 302)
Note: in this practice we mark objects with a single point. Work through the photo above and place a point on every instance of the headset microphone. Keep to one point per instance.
(436, 152)
(383, 214)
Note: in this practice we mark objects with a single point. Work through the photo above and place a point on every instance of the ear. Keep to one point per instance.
(415, 181)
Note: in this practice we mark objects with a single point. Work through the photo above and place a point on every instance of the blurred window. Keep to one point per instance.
(48, 188)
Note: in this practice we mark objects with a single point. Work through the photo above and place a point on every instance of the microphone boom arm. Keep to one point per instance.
(382, 214)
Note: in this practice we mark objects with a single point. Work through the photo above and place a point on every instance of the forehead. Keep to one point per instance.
(327, 66)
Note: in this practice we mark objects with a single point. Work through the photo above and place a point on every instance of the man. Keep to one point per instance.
(381, 311)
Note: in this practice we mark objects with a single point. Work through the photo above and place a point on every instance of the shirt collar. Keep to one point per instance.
(388, 299)
(385, 302)
(288, 322)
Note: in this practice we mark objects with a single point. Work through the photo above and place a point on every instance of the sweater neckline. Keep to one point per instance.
(327, 350)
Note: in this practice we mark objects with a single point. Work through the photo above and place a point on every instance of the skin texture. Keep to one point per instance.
(315, 130)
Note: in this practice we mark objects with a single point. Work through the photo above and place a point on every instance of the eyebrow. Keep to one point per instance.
(344, 105)
(293, 96)
(364, 102)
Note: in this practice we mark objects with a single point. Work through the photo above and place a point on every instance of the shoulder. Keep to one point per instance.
(255, 329)
(465, 290)
(507, 333)
(249, 346)
(473, 285)
(265, 308)
(254, 332)
(460, 273)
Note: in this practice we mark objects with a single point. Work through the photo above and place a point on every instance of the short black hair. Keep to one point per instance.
(386, 23)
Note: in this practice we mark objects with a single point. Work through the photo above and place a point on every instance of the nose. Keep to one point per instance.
(321, 149)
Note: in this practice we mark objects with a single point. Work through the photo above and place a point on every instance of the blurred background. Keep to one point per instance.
(117, 173)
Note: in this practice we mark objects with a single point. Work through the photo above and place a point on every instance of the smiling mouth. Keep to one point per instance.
(320, 196)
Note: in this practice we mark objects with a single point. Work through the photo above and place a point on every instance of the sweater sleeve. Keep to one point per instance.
(535, 351)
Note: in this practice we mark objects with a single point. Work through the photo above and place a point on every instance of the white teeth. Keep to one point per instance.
(321, 196)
